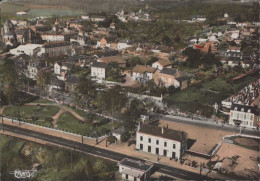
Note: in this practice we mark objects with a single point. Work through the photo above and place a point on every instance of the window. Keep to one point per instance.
(173, 146)
(157, 142)
(141, 138)
(149, 149)
(149, 140)
(165, 143)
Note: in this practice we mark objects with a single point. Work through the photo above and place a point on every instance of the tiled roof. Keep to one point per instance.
(169, 71)
(165, 62)
(111, 59)
(99, 65)
(144, 68)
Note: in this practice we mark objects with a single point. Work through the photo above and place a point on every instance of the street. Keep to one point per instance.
(175, 172)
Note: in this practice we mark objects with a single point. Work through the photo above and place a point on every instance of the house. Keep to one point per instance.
(102, 43)
(99, 70)
(143, 73)
(166, 77)
(123, 44)
(161, 141)
(183, 82)
(134, 170)
(28, 49)
(163, 63)
(244, 115)
(53, 49)
(117, 133)
(33, 69)
(97, 18)
(19, 22)
(52, 36)
(113, 59)
(85, 17)
(57, 85)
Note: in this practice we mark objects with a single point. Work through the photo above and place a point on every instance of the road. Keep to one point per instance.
(209, 124)
(175, 172)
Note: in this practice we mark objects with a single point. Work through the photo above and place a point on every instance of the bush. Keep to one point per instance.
(125, 137)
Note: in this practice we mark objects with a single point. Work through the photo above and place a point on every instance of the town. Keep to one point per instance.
(165, 95)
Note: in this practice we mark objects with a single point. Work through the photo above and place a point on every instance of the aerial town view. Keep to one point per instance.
(132, 90)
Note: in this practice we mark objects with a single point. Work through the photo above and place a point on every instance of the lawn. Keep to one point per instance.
(202, 97)
(101, 126)
(68, 122)
(41, 115)
(42, 101)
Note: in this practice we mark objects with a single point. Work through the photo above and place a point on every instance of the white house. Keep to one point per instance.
(163, 63)
(99, 70)
(28, 49)
(134, 170)
(161, 141)
(143, 73)
(242, 115)
(97, 18)
(123, 44)
(85, 17)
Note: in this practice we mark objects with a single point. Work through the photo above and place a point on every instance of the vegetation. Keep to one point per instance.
(202, 96)
(36, 114)
(57, 163)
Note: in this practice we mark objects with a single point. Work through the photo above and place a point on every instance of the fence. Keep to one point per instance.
(227, 139)
(53, 129)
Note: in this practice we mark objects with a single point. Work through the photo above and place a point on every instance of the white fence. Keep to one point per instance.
(54, 129)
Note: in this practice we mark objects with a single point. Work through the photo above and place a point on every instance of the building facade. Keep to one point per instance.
(245, 116)
(161, 141)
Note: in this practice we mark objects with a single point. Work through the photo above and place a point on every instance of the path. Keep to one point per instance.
(62, 110)
(2, 110)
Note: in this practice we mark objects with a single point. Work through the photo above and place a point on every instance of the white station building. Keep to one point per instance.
(161, 141)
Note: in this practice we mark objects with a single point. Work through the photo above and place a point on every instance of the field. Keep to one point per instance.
(204, 96)
(93, 123)
(41, 115)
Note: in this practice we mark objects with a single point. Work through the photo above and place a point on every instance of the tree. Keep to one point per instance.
(9, 79)
(85, 92)
(43, 78)
(111, 100)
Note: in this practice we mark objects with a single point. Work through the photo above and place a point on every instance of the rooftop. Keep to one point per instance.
(144, 68)
(166, 133)
(165, 62)
(135, 164)
(99, 65)
(169, 71)
(112, 59)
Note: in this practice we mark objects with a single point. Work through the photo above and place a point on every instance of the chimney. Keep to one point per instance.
(162, 130)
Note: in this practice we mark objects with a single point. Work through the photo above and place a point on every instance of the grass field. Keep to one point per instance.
(68, 122)
(32, 113)
(204, 96)
(100, 125)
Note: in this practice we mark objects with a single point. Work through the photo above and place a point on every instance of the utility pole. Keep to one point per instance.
(3, 123)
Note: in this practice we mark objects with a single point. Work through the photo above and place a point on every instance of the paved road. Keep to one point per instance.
(209, 124)
(176, 172)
